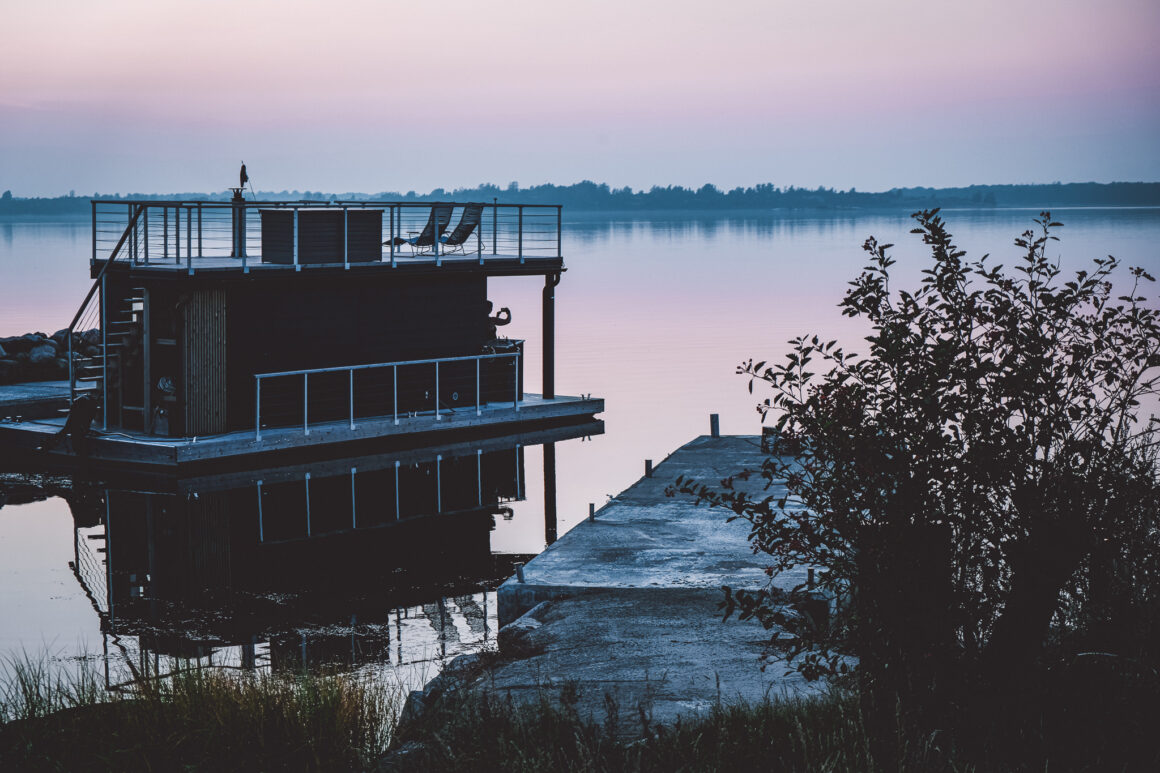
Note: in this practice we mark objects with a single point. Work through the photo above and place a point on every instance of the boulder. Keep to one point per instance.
(91, 337)
(41, 354)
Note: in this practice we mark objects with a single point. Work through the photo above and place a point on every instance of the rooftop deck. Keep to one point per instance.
(188, 237)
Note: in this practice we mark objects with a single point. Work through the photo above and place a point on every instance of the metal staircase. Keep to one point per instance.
(105, 329)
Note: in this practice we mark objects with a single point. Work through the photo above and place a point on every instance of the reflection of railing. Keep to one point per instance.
(411, 385)
(228, 234)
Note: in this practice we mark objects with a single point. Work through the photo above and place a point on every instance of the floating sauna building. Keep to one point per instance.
(221, 329)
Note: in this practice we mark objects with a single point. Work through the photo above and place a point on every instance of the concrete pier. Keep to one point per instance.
(622, 611)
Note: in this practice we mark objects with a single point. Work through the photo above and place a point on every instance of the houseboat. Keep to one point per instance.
(217, 331)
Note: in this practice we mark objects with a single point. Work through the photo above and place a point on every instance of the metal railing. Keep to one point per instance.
(432, 401)
(193, 235)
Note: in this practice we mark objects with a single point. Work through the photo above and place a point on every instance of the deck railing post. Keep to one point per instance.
(145, 227)
(395, 390)
(477, 409)
(258, 409)
(437, 416)
(177, 234)
(165, 233)
(198, 229)
(353, 500)
(346, 238)
(188, 230)
(559, 230)
(494, 222)
(93, 206)
(521, 232)
(305, 403)
(351, 371)
(516, 379)
(391, 215)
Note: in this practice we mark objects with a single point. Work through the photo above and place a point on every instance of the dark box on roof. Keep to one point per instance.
(320, 235)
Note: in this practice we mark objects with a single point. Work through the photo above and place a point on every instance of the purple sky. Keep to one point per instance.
(122, 96)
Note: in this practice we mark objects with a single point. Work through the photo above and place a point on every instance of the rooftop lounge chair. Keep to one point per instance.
(468, 222)
(424, 241)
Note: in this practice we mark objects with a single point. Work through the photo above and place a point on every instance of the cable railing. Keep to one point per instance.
(402, 390)
(244, 234)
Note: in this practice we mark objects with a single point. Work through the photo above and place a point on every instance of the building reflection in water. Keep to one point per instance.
(378, 561)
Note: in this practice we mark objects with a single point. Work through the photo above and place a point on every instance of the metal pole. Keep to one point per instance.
(549, 335)
(353, 501)
(261, 531)
(398, 513)
(438, 483)
(258, 410)
(165, 233)
(395, 390)
(479, 477)
(189, 231)
(307, 504)
(346, 238)
(437, 416)
(104, 358)
(351, 371)
(146, 227)
(295, 241)
(516, 379)
(521, 233)
(559, 231)
(494, 222)
(391, 213)
(477, 409)
(199, 229)
(305, 403)
(93, 206)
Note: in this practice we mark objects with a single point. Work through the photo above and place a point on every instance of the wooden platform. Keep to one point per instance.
(33, 399)
(118, 449)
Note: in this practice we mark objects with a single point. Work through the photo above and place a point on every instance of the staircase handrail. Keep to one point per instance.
(112, 257)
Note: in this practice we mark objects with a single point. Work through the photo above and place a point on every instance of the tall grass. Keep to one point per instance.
(480, 731)
(62, 719)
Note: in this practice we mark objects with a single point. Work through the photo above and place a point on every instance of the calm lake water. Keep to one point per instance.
(653, 314)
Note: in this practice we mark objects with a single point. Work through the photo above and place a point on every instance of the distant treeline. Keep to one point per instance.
(592, 196)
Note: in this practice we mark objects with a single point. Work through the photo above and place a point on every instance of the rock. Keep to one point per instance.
(60, 337)
(91, 337)
(9, 369)
(43, 353)
(92, 351)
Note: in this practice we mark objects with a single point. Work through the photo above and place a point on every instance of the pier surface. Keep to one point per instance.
(626, 604)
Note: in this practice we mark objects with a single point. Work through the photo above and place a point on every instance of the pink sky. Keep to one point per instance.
(367, 96)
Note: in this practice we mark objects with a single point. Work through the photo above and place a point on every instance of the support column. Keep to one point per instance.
(549, 335)
(550, 493)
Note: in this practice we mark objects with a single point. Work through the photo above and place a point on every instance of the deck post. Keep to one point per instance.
(258, 409)
(395, 390)
(145, 226)
(479, 477)
(165, 233)
(198, 229)
(261, 531)
(549, 335)
(392, 214)
(437, 416)
(438, 483)
(398, 512)
(477, 410)
(305, 403)
(189, 231)
(516, 379)
(550, 527)
(351, 372)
